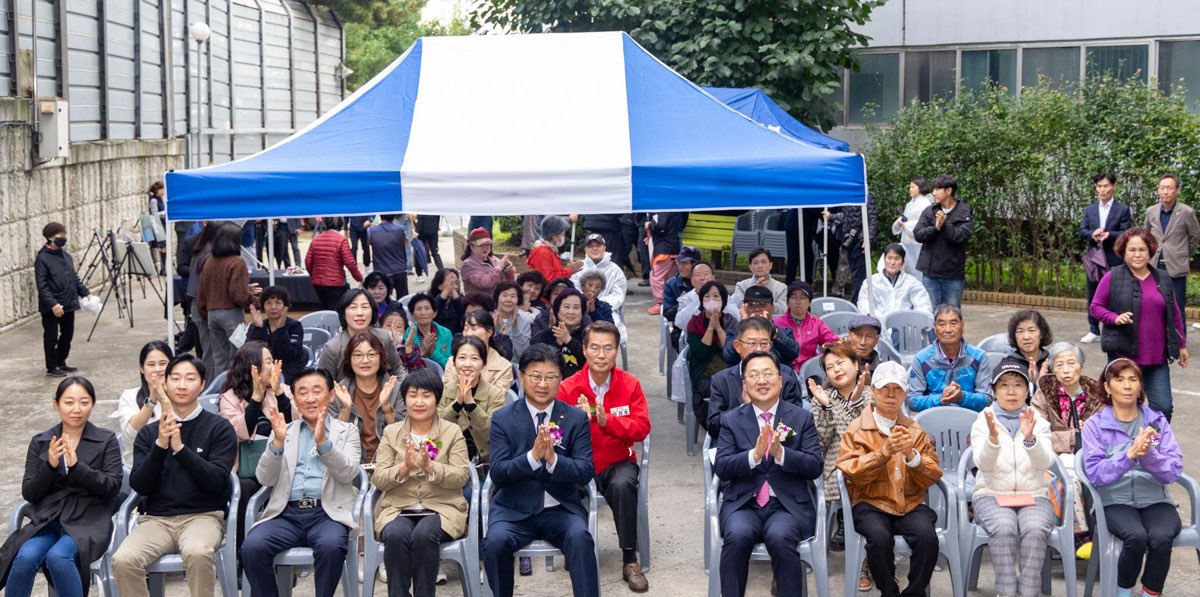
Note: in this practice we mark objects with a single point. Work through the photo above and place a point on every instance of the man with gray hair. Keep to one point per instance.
(1177, 231)
(949, 372)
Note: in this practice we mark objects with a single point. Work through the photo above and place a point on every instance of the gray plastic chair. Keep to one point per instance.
(225, 557)
(1062, 537)
(839, 321)
(432, 364)
(810, 368)
(747, 230)
(464, 552)
(825, 305)
(913, 331)
(214, 386)
(887, 352)
(310, 357)
(1107, 548)
(996, 357)
(812, 550)
(664, 341)
(101, 569)
(643, 532)
(315, 340)
(947, 532)
(681, 391)
(624, 341)
(326, 320)
(773, 237)
(539, 548)
(707, 457)
(950, 429)
(995, 343)
(291, 561)
(209, 403)
(510, 397)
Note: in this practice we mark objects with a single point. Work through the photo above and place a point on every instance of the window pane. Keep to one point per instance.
(928, 75)
(990, 67)
(1180, 60)
(836, 101)
(1059, 65)
(1123, 62)
(877, 84)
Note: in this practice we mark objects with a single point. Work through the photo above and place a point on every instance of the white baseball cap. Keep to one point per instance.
(889, 372)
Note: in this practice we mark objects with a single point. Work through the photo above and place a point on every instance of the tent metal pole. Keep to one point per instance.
(572, 241)
(803, 260)
(825, 253)
(271, 251)
(867, 252)
(170, 284)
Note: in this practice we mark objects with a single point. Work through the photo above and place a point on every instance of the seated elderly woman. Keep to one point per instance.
(1012, 450)
(553, 289)
(72, 477)
(809, 331)
(421, 471)
(357, 313)
(395, 321)
(497, 368)
(425, 332)
(1131, 456)
(531, 283)
(1029, 335)
(468, 399)
(835, 406)
(591, 284)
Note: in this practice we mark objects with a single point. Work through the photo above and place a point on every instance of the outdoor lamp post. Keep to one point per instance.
(200, 32)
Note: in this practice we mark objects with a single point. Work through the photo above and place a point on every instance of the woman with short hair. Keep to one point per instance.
(72, 479)
(1131, 457)
(1028, 336)
(379, 287)
(282, 334)
(427, 334)
(544, 257)
(481, 269)
(809, 331)
(446, 290)
(395, 322)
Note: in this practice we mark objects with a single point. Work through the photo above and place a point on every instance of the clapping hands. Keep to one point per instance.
(1141, 444)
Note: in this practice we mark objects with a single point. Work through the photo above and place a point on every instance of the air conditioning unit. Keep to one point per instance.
(55, 129)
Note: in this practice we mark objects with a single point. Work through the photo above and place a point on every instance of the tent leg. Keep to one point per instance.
(803, 260)
(170, 284)
(271, 251)
(825, 254)
(867, 258)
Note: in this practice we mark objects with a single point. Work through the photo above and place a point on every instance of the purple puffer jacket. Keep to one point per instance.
(1120, 480)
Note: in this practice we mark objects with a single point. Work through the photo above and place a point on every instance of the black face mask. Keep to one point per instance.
(60, 242)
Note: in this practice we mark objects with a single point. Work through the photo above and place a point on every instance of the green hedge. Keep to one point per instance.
(1026, 168)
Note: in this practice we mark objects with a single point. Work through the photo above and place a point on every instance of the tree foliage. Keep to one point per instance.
(794, 50)
(1025, 168)
(379, 31)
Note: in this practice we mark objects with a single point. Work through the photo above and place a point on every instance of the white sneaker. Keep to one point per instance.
(1090, 338)
(1196, 325)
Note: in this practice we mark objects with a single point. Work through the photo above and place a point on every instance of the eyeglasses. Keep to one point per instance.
(755, 376)
(538, 379)
(364, 356)
(758, 344)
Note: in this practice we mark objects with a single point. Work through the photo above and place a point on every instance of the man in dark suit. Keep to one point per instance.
(766, 455)
(726, 390)
(1103, 222)
(541, 459)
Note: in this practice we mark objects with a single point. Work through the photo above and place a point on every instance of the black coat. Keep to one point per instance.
(944, 254)
(82, 501)
(57, 284)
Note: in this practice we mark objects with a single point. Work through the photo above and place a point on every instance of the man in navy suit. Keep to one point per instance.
(766, 455)
(1103, 221)
(541, 460)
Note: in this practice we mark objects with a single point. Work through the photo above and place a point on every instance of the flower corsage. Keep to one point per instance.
(785, 433)
(1155, 438)
(432, 448)
(556, 433)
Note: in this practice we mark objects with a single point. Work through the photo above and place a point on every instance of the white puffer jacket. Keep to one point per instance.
(615, 286)
(1009, 468)
(907, 294)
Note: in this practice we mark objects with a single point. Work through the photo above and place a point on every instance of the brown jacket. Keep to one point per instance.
(478, 421)
(444, 495)
(224, 284)
(887, 484)
(1045, 401)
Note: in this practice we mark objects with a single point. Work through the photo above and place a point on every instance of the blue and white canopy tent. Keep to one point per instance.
(523, 124)
(759, 107)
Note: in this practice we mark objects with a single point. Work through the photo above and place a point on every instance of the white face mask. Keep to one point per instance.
(712, 305)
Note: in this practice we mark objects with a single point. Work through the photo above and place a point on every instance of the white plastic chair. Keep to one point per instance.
(643, 532)
(1062, 537)
(825, 305)
(326, 320)
(812, 550)
(947, 532)
(464, 552)
(224, 558)
(290, 561)
(315, 340)
(539, 548)
(1107, 548)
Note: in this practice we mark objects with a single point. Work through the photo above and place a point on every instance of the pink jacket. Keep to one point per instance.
(810, 334)
(483, 277)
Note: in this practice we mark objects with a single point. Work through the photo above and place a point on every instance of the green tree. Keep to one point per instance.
(794, 50)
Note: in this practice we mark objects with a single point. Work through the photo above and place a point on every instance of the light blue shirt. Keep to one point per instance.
(310, 471)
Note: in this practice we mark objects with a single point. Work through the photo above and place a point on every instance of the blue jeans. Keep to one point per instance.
(484, 222)
(54, 548)
(941, 291)
(1156, 379)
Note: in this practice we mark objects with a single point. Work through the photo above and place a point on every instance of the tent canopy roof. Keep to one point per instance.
(759, 106)
(521, 124)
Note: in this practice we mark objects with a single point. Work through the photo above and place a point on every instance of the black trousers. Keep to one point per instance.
(1093, 323)
(399, 284)
(858, 270)
(357, 236)
(411, 549)
(918, 528)
(57, 333)
(619, 484)
(1145, 534)
(330, 295)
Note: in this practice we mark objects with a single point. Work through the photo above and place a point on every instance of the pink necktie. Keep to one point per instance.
(764, 492)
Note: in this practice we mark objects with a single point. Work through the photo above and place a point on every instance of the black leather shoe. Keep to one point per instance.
(55, 372)
(68, 368)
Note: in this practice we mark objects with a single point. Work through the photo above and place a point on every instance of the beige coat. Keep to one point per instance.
(338, 492)
(1181, 238)
(444, 495)
(488, 399)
